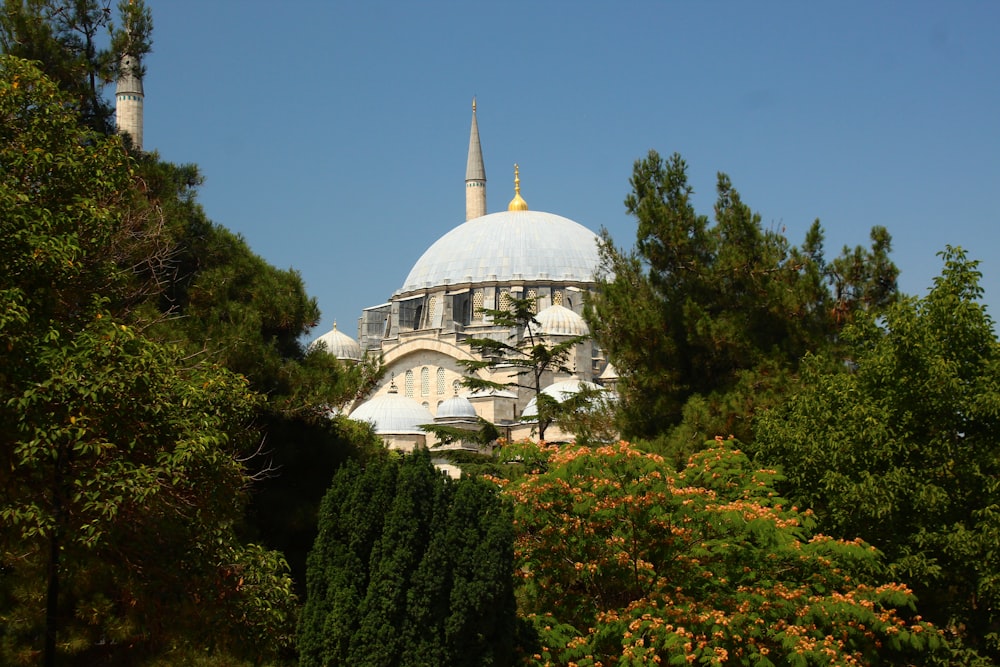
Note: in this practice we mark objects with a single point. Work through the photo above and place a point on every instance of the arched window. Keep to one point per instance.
(533, 296)
(425, 381)
(408, 384)
(557, 298)
(505, 301)
(440, 381)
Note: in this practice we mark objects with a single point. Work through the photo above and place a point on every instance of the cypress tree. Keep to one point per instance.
(409, 568)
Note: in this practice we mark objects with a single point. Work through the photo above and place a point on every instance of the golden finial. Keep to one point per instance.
(473, 104)
(517, 203)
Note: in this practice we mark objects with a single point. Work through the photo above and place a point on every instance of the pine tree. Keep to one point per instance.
(706, 323)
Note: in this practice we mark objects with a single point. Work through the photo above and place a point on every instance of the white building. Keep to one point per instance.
(482, 263)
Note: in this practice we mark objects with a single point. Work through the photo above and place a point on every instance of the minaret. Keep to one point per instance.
(128, 100)
(475, 174)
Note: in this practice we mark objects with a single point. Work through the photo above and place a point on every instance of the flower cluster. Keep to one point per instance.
(624, 561)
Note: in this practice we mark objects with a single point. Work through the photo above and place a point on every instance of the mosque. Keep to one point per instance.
(482, 264)
(420, 332)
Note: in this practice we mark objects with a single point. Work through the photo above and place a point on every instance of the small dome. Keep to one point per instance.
(457, 407)
(392, 414)
(558, 320)
(560, 391)
(340, 345)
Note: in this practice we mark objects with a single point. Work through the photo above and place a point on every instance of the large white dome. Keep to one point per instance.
(506, 246)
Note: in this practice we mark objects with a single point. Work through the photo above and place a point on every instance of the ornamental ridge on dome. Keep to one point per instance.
(517, 203)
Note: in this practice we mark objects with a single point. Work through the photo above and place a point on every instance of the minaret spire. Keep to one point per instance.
(475, 174)
(129, 98)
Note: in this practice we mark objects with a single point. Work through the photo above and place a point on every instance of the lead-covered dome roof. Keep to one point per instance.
(558, 320)
(339, 344)
(456, 407)
(392, 414)
(561, 391)
(507, 246)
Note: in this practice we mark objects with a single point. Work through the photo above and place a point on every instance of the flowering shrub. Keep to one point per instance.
(623, 561)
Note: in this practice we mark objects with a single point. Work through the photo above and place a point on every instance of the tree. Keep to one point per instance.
(898, 446)
(526, 357)
(78, 46)
(223, 303)
(624, 561)
(409, 568)
(121, 478)
(705, 323)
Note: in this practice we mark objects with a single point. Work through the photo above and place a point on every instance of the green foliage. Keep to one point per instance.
(526, 355)
(899, 447)
(484, 433)
(121, 480)
(718, 314)
(624, 561)
(478, 464)
(410, 568)
(227, 305)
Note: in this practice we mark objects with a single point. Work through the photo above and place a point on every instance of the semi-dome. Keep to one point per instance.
(340, 345)
(558, 320)
(560, 391)
(507, 246)
(456, 407)
(393, 414)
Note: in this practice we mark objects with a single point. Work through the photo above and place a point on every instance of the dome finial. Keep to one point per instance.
(517, 203)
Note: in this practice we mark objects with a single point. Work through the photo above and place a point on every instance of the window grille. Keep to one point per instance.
(477, 305)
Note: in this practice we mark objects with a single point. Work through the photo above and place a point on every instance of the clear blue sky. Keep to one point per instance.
(333, 136)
